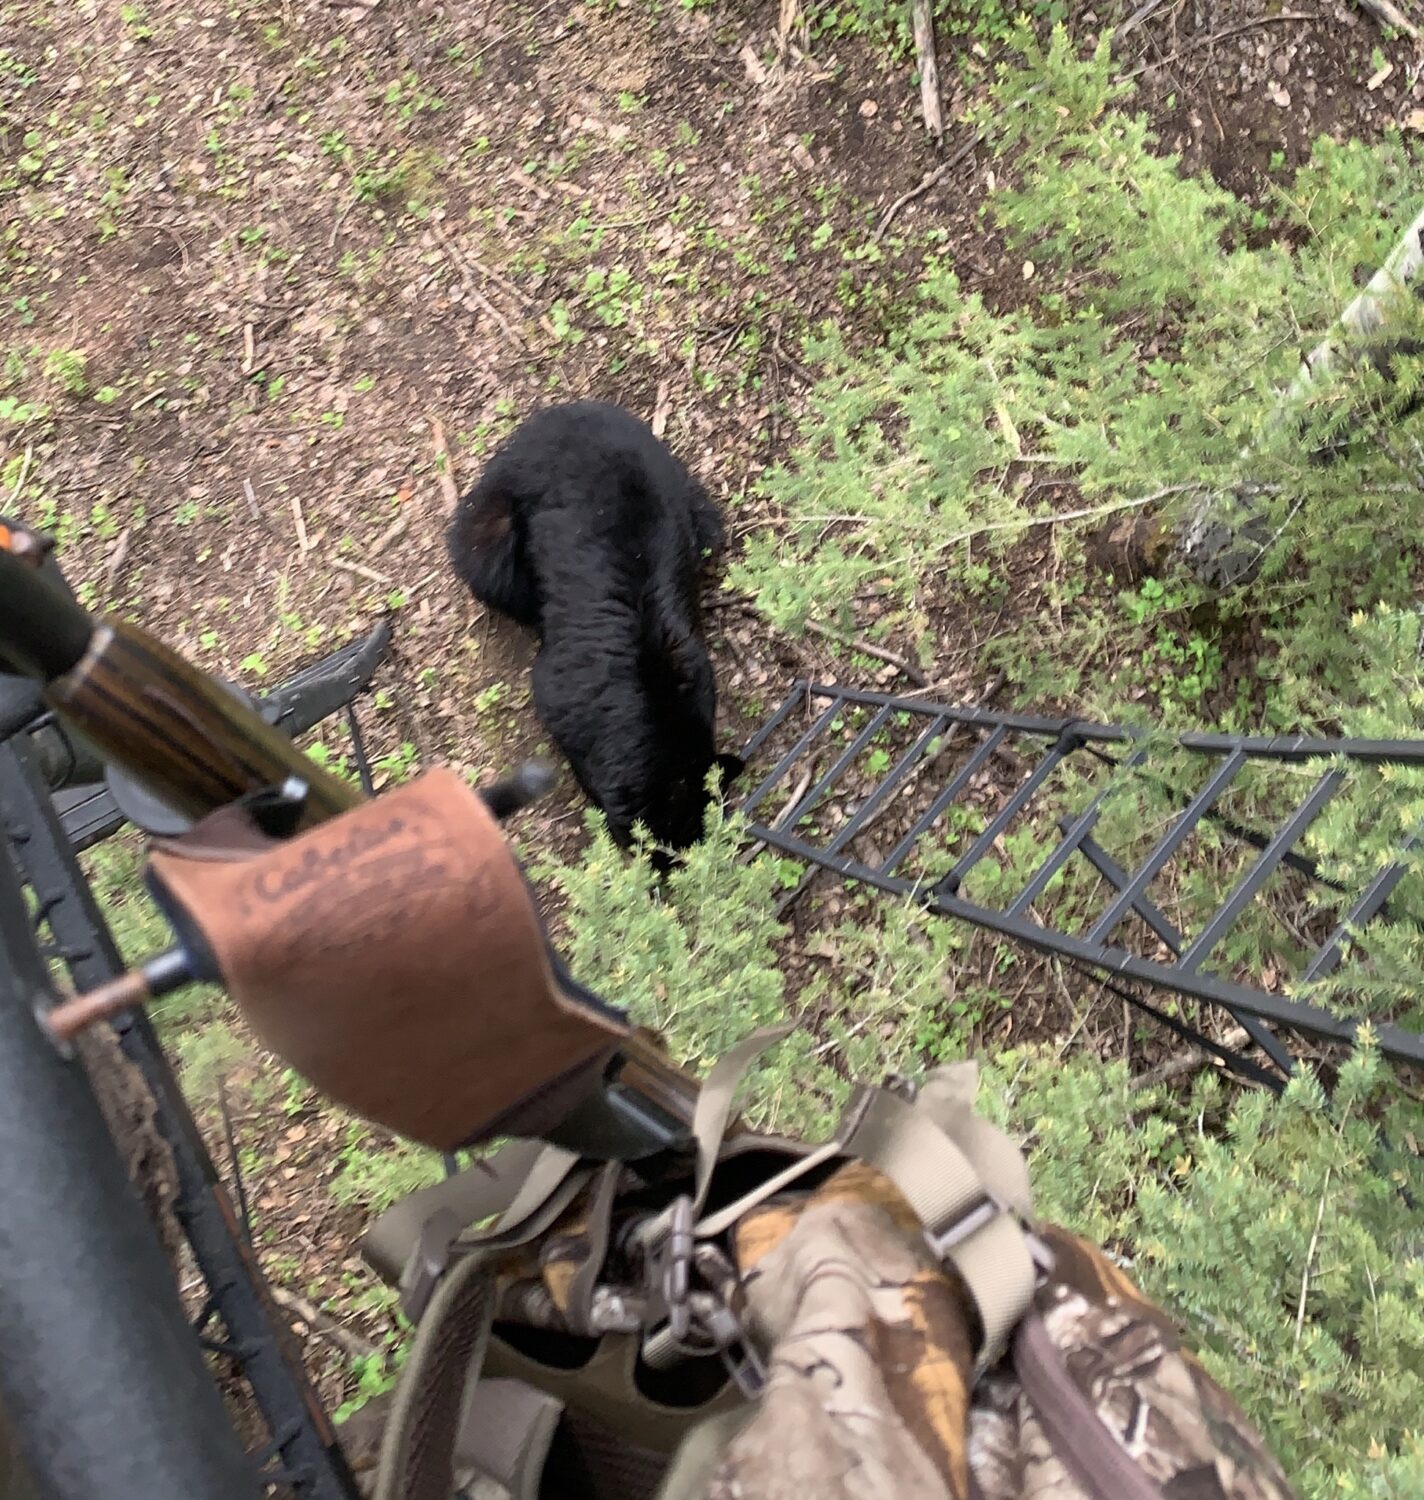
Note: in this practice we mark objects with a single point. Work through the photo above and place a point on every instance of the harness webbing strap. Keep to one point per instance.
(966, 1202)
(468, 1197)
(417, 1455)
(716, 1097)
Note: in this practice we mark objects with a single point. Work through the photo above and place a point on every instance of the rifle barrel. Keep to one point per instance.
(43, 632)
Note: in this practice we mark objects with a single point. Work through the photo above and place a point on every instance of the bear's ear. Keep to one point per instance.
(731, 766)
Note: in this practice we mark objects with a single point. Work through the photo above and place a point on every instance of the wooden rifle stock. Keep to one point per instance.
(185, 736)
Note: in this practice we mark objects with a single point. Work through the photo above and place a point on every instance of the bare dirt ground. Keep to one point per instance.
(285, 272)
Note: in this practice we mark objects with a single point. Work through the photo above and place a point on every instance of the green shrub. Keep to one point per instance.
(696, 960)
(1146, 365)
(1224, 1205)
(1284, 1235)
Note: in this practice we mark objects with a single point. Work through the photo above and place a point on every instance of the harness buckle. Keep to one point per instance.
(428, 1262)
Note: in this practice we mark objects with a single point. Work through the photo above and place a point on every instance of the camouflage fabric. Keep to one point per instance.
(869, 1379)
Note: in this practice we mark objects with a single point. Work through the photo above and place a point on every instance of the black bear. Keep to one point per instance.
(585, 527)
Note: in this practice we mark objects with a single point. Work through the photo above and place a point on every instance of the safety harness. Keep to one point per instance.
(654, 1299)
(533, 1233)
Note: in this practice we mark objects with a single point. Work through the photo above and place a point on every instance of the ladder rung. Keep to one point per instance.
(812, 797)
(792, 755)
(1073, 835)
(898, 774)
(1364, 910)
(1260, 870)
(1166, 847)
(956, 784)
(1001, 819)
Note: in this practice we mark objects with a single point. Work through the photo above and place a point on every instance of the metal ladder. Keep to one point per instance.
(824, 735)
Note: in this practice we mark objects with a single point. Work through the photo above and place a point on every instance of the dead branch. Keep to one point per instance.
(1389, 14)
(467, 282)
(727, 601)
(350, 1344)
(1310, 1257)
(1136, 19)
(506, 36)
(880, 653)
(117, 556)
(662, 408)
(1214, 38)
(929, 180)
(250, 495)
(922, 18)
(444, 469)
(303, 541)
(1186, 1063)
(361, 571)
(1228, 551)
(1084, 513)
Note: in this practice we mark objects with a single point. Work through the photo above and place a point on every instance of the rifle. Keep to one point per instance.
(111, 1380)
(197, 747)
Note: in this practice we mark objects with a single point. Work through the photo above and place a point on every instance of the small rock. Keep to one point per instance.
(868, 109)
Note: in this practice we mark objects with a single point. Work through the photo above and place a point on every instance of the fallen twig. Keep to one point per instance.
(929, 180)
(922, 19)
(250, 495)
(1087, 513)
(390, 536)
(361, 571)
(116, 561)
(791, 811)
(503, 282)
(1187, 1062)
(506, 36)
(340, 220)
(467, 281)
(1217, 36)
(727, 601)
(1389, 14)
(24, 473)
(1136, 19)
(349, 1343)
(785, 817)
(992, 689)
(880, 653)
(662, 408)
(303, 542)
(1310, 1257)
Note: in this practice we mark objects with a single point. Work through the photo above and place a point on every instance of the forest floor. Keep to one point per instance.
(281, 276)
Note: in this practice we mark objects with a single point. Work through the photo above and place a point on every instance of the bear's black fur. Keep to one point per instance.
(585, 528)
